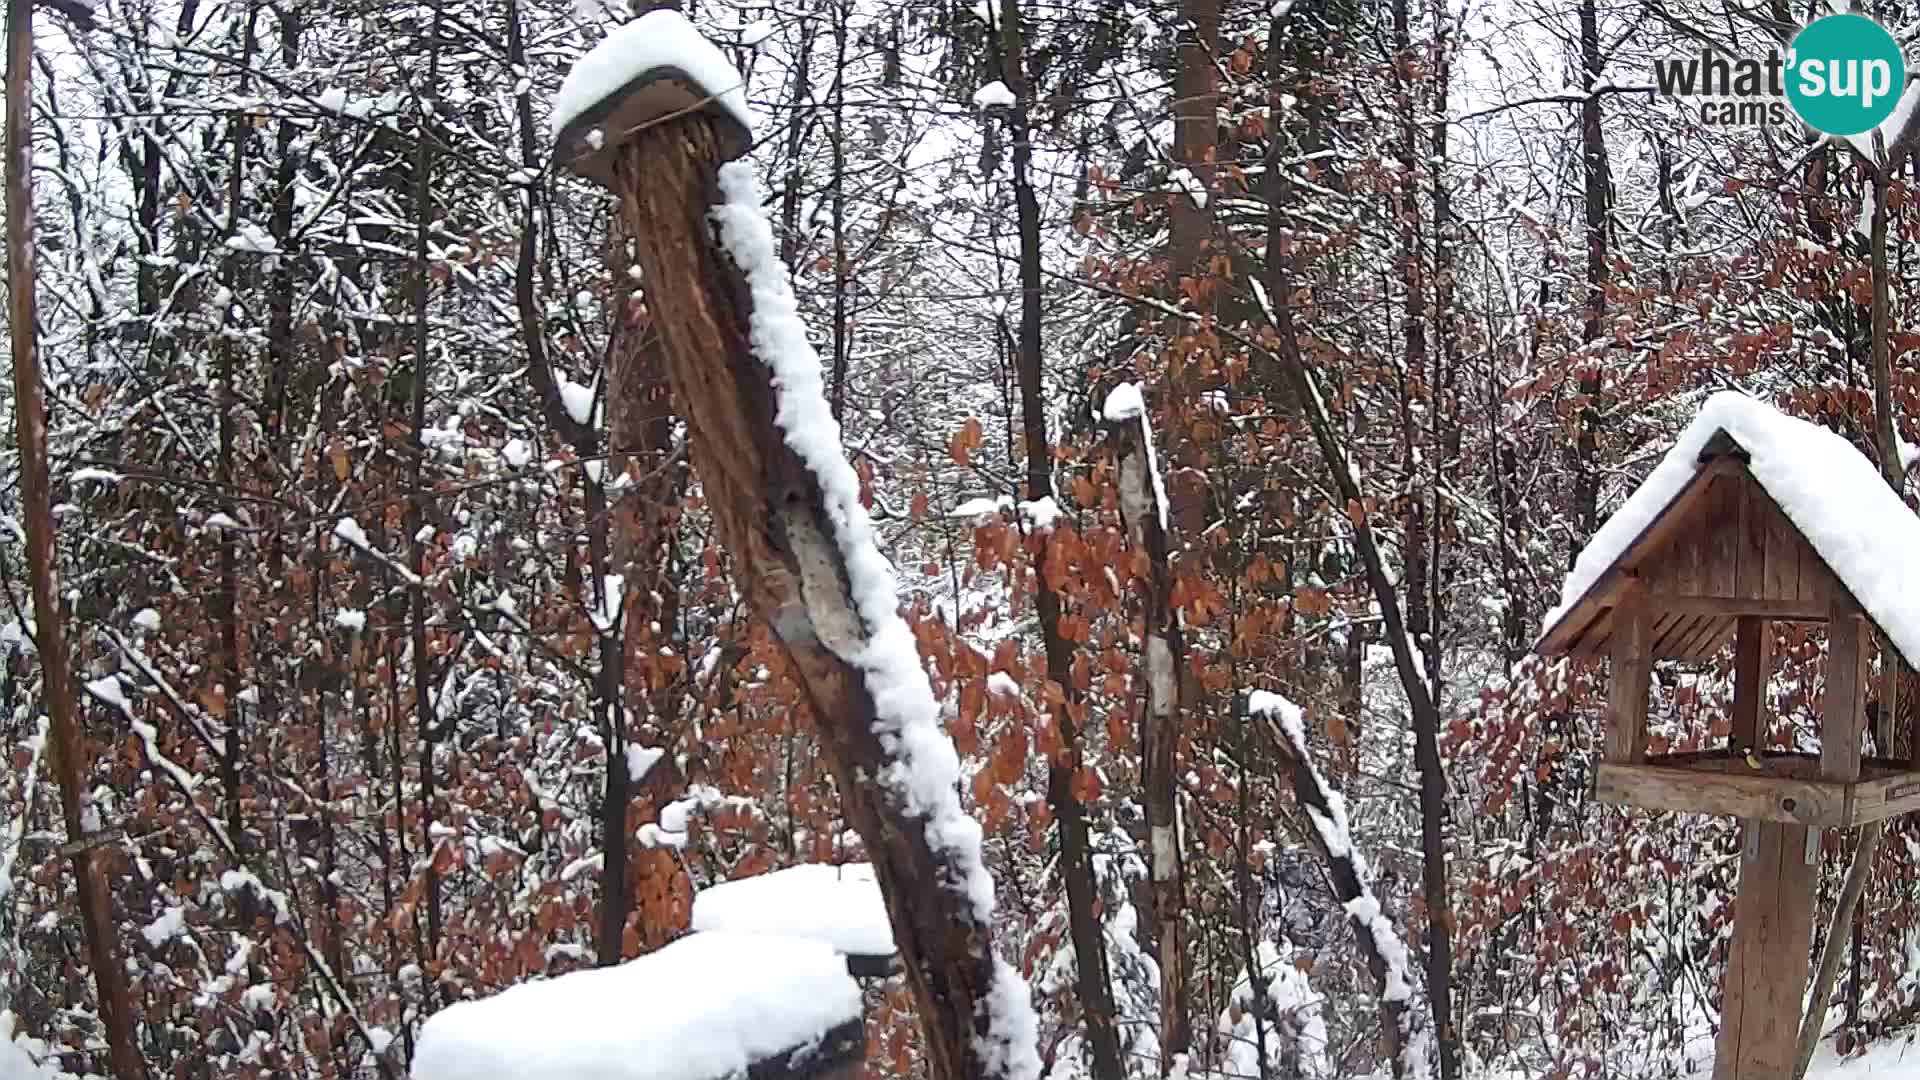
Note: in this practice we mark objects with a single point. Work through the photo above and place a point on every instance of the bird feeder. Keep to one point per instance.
(1753, 518)
(839, 905)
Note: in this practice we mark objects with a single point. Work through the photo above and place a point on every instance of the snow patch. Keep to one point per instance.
(840, 905)
(994, 95)
(708, 1005)
(252, 238)
(660, 38)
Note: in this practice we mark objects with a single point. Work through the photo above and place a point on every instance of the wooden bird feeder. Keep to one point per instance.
(1708, 553)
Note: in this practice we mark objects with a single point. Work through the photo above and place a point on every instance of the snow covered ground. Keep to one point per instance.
(1882, 1061)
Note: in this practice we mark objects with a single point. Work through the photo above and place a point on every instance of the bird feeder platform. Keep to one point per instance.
(1787, 788)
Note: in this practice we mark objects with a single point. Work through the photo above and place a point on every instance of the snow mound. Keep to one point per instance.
(660, 38)
(994, 95)
(17, 1055)
(705, 1007)
(840, 905)
(1830, 491)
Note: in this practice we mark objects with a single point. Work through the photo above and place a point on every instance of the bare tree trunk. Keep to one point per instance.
(1165, 667)
(1425, 714)
(67, 747)
(1598, 184)
(416, 517)
(1827, 969)
(1094, 984)
(1196, 125)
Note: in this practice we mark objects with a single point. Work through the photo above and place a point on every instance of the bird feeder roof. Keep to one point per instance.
(708, 1006)
(1710, 498)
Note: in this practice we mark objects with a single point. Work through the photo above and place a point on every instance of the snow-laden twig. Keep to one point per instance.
(240, 876)
(1326, 808)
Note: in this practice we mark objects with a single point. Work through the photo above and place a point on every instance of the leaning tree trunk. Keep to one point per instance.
(806, 562)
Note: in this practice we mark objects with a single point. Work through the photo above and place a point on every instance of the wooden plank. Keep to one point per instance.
(1737, 606)
(1668, 643)
(1752, 665)
(1886, 797)
(1684, 554)
(1720, 541)
(1783, 553)
(1629, 682)
(1843, 710)
(1741, 793)
(1698, 645)
(1767, 958)
(1814, 576)
(1751, 582)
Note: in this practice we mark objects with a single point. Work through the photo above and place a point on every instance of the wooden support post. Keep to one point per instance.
(1752, 664)
(1767, 960)
(1843, 714)
(1632, 675)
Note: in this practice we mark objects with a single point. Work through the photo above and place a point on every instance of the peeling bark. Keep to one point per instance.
(1165, 657)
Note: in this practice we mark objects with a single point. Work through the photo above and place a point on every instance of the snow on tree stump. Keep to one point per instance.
(1753, 518)
(711, 1006)
(650, 71)
(786, 505)
(838, 905)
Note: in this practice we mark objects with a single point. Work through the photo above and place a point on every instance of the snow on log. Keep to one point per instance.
(840, 905)
(1378, 938)
(787, 506)
(922, 769)
(1828, 489)
(651, 69)
(707, 1006)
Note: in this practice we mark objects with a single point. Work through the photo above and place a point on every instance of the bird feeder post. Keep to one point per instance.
(1752, 663)
(1632, 679)
(1843, 717)
(1767, 957)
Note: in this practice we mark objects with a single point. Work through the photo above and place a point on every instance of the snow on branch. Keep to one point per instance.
(1378, 938)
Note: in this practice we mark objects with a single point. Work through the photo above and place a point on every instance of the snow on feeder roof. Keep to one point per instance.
(1859, 532)
(707, 1007)
(840, 905)
(651, 68)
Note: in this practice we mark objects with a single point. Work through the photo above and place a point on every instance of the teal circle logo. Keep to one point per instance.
(1844, 74)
